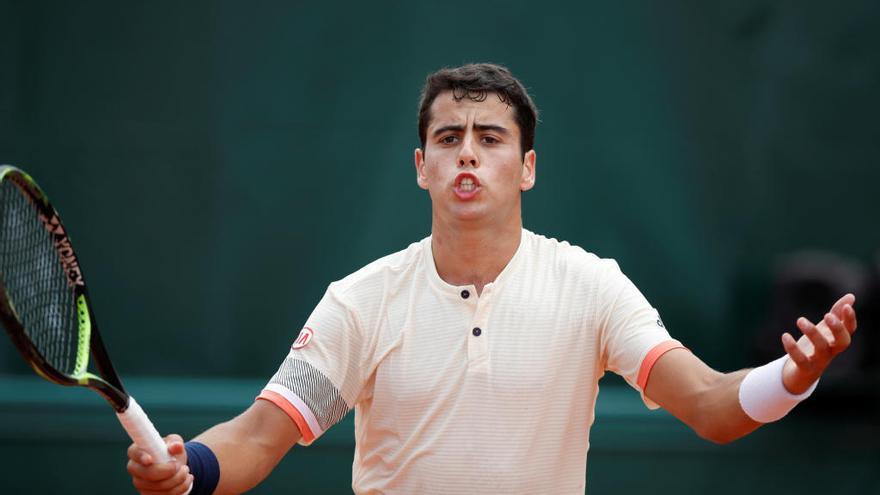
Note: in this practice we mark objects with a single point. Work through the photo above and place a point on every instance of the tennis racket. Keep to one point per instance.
(45, 308)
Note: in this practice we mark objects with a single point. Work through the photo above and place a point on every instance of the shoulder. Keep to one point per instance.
(384, 274)
(567, 258)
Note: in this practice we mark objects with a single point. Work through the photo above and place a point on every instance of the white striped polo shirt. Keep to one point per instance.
(460, 393)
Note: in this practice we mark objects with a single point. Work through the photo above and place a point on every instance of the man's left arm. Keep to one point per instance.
(711, 402)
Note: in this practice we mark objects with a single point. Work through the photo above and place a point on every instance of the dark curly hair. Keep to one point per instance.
(476, 82)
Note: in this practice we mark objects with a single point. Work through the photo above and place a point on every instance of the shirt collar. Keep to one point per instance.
(456, 290)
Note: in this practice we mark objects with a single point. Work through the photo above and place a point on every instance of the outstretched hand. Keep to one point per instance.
(150, 477)
(819, 344)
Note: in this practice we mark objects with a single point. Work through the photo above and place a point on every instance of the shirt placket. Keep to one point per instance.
(479, 333)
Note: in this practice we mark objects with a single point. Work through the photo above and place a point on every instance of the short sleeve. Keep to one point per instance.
(319, 381)
(633, 335)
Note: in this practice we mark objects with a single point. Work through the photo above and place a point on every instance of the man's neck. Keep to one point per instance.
(473, 256)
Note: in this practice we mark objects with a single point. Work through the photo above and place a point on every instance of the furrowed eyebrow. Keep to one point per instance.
(447, 128)
(490, 127)
(479, 127)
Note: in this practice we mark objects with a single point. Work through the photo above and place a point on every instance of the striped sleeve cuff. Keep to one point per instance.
(296, 409)
(310, 392)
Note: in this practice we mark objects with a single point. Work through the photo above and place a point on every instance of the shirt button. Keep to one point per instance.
(477, 332)
(465, 294)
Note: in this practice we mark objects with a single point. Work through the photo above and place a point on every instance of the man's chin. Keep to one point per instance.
(469, 210)
(465, 215)
(471, 218)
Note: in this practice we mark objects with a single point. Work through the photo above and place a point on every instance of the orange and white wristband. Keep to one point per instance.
(763, 396)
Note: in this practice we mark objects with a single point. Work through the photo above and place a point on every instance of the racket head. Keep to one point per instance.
(44, 304)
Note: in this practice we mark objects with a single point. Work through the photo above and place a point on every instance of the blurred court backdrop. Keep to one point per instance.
(219, 163)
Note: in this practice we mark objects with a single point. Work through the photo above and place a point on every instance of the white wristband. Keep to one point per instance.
(763, 396)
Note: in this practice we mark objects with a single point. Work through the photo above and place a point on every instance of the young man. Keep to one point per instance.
(473, 356)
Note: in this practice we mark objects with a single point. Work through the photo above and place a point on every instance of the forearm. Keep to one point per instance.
(718, 415)
(702, 398)
(249, 446)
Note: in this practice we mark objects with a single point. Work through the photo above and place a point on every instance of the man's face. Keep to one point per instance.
(472, 164)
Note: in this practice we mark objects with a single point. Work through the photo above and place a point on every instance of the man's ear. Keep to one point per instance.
(421, 178)
(528, 171)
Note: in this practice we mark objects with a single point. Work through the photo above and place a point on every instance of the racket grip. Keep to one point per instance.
(142, 431)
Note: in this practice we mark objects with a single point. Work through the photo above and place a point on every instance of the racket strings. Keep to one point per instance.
(35, 281)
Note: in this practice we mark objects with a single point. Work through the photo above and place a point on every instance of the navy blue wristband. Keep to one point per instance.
(203, 466)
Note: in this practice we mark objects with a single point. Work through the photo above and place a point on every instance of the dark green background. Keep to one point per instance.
(219, 163)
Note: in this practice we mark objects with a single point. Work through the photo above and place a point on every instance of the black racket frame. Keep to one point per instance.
(107, 383)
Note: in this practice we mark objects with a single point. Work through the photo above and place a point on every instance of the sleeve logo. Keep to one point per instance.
(305, 336)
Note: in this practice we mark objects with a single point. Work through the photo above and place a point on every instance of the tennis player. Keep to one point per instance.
(473, 357)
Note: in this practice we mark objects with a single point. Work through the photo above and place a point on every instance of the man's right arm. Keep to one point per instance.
(247, 448)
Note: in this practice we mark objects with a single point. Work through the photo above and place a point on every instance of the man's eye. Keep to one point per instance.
(490, 140)
(449, 140)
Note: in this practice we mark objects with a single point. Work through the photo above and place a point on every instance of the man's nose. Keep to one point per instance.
(467, 155)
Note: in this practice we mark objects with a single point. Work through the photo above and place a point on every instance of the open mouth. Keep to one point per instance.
(466, 185)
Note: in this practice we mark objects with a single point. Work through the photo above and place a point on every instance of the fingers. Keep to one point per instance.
(847, 299)
(794, 352)
(842, 337)
(849, 318)
(818, 346)
(176, 485)
(151, 477)
(152, 472)
(175, 446)
(139, 456)
(821, 344)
